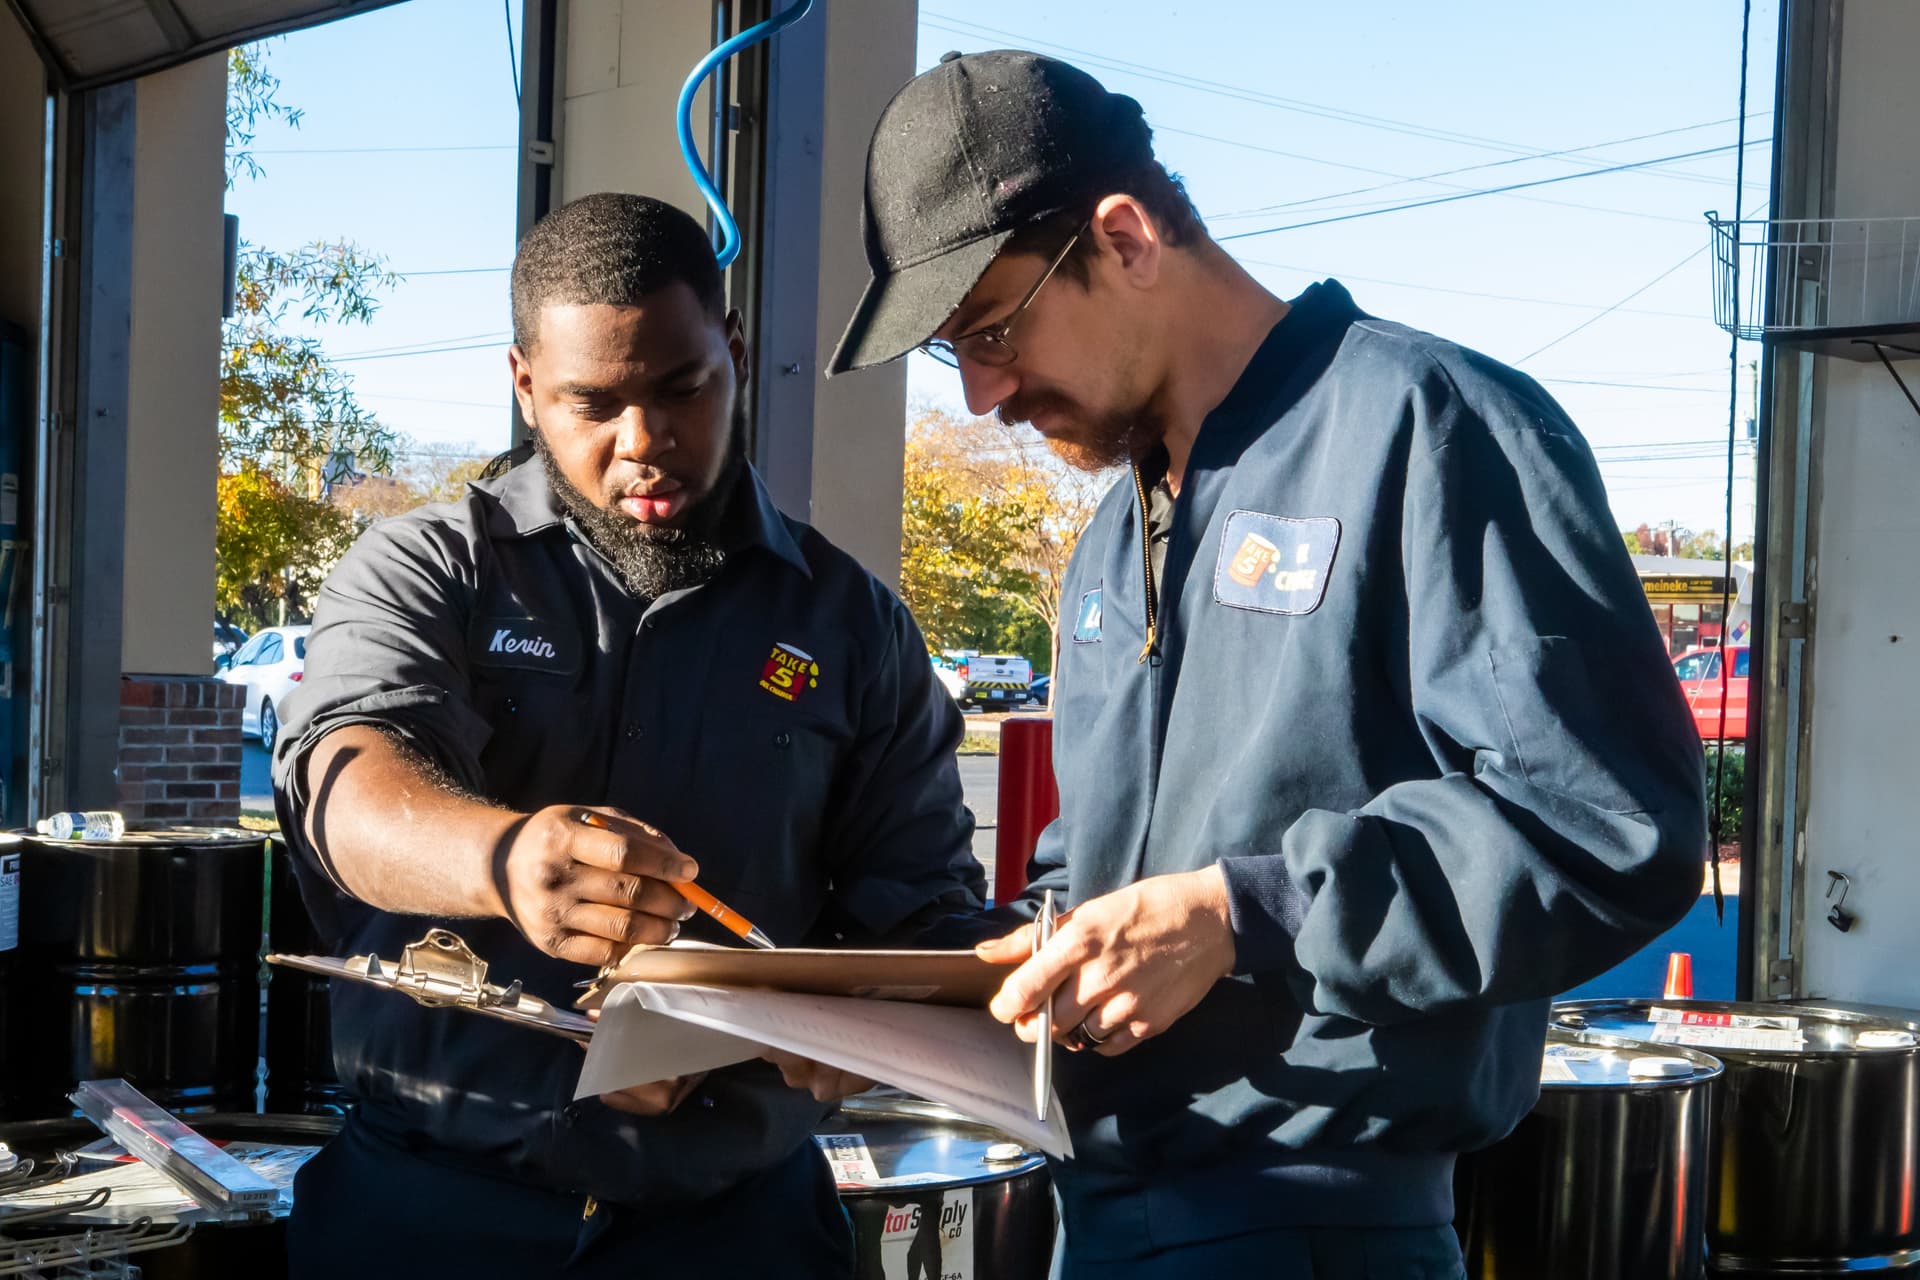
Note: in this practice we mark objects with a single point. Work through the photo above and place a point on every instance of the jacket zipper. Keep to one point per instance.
(1146, 565)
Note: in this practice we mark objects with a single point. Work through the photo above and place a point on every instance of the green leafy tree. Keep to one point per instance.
(286, 410)
(988, 526)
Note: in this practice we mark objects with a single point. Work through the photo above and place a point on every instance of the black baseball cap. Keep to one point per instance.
(964, 156)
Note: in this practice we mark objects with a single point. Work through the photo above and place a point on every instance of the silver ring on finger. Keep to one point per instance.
(1083, 1034)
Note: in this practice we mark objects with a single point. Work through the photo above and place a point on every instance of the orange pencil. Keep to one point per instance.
(727, 917)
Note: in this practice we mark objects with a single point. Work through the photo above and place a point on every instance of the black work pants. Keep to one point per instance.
(365, 1208)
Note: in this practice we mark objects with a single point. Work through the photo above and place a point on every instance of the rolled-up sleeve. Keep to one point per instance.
(388, 649)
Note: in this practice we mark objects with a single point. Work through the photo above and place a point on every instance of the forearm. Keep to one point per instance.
(398, 836)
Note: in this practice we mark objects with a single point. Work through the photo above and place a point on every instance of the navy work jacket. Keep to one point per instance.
(1404, 688)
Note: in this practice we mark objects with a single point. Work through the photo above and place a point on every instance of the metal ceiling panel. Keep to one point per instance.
(88, 43)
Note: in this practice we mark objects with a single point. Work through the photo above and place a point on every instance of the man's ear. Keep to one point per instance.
(737, 347)
(521, 367)
(1121, 225)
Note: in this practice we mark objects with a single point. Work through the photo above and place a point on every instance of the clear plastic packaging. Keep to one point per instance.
(146, 1130)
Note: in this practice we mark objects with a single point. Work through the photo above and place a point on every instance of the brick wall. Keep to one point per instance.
(180, 750)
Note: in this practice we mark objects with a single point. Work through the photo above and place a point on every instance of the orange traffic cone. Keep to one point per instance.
(1679, 976)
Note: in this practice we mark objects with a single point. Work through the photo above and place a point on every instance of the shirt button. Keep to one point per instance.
(633, 731)
(783, 740)
(571, 1113)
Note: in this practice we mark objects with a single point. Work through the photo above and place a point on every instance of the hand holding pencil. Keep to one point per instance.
(588, 884)
(725, 916)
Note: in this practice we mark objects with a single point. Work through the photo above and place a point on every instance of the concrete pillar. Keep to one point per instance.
(831, 453)
(173, 401)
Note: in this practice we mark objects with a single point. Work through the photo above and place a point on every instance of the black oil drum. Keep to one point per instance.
(1816, 1130)
(140, 959)
(932, 1193)
(1605, 1179)
(9, 948)
(300, 1074)
(255, 1250)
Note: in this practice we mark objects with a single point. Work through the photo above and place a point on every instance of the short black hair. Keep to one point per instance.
(612, 248)
(1162, 194)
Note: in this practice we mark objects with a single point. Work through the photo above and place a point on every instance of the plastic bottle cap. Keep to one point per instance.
(7, 1159)
(1884, 1040)
(1005, 1153)
(1659, 1068)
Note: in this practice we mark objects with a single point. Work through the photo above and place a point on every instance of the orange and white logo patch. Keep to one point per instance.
(789, 672)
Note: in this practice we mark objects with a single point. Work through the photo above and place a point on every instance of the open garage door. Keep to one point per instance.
(87, 43)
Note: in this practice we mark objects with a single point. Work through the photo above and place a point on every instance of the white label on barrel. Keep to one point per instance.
(1728, 1037)
(9, 901)
(915, 1244)
(849, 1158)
(1556, 1070)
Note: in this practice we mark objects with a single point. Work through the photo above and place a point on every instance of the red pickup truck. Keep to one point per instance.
(1699, 674)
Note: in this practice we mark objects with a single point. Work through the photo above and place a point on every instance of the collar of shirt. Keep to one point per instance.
(525, 505)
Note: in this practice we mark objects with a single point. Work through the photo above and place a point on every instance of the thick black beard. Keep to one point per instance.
(650, 560)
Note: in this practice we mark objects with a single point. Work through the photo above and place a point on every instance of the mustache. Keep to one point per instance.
(1018, 409)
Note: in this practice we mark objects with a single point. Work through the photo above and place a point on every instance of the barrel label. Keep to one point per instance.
(9, 901)
(848, 1157)
(1710, 1037)
(928, 1237)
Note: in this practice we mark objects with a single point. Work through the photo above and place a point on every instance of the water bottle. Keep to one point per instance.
(92, 824)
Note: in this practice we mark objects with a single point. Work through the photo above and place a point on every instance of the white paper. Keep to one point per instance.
(1762, 1038)
(961, 1057)
(631, 1046)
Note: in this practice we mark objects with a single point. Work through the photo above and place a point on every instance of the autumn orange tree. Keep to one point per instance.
(988, 523)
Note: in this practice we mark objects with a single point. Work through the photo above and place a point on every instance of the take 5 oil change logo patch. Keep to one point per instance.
(789, 672)
(1275, 564)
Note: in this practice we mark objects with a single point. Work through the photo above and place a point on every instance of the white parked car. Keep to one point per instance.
(269, 665)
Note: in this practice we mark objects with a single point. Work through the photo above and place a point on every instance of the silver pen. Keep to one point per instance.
(1043, 1044)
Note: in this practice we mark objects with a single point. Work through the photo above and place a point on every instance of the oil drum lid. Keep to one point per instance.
(883, 1143)
(1589, 1060)
(157, 838)
(1742, 1029)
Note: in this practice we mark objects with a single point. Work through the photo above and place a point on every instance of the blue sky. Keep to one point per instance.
(1258, 104)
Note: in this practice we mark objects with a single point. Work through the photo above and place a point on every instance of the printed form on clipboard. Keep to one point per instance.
(915, 1020)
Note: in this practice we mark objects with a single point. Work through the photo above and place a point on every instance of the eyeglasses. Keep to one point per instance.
(989, 345)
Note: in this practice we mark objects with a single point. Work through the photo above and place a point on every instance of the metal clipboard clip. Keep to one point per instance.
(441, 971)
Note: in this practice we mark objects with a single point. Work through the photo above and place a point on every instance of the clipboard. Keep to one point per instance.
(696, 997)
(442, 972)
(922, 977)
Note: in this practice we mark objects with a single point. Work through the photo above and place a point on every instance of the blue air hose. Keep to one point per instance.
(729, 229)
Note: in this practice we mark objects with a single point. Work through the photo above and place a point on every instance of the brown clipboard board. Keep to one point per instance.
(929, 977)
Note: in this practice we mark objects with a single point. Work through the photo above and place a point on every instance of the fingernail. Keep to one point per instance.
(687, 912)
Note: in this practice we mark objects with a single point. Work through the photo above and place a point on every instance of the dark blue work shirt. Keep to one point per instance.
(781, 723)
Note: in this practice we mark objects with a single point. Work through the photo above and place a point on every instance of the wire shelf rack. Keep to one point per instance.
(84, 1253)
(1799, 277)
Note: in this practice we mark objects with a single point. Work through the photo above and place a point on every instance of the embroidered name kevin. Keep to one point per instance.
(532, 644)
(504, 641)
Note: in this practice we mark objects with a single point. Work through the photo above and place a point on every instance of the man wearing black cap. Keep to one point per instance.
(1366, 743)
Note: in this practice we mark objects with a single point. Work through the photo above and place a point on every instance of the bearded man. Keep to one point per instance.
(528, 715)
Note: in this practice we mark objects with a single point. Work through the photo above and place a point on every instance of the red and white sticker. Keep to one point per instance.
(847, 1155)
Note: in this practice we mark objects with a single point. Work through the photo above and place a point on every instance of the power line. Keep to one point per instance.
(1615, 307)
(476, 271)
(956, 26)
(433, 351)
(1294, 155)
(362, 151)
(1636, 386)
(426, 342)
(1485, 164)
(1488, 191)
(1467, 293)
